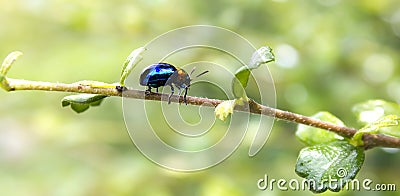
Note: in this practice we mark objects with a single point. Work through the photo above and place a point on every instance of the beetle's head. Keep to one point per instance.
(181, 78)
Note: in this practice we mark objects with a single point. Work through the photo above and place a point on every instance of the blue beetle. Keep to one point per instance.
(165, 74)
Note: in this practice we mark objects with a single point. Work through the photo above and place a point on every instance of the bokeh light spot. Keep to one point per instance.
(286, 56)
(378, 68)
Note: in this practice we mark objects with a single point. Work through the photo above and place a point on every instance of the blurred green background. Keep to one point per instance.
(331, 54)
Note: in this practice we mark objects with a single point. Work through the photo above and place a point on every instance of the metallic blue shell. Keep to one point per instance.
(156, 75)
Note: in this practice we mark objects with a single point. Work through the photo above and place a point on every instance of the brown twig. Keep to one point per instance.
(370, 140)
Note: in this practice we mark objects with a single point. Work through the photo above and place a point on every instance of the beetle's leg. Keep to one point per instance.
(148, 90)
(184, 96)
(179, 94)
(120, 88)
(172, 92)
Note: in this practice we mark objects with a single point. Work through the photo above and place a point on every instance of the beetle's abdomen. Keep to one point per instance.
(156, 75)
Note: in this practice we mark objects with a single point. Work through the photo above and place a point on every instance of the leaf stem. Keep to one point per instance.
(370, 140)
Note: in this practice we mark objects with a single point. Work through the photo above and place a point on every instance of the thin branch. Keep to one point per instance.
(370, 140)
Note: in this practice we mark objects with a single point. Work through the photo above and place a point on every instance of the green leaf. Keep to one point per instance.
(83, 98)
(82, 102)
(8, 61)
(131, 61)
(5, 67)
(4, 83)
(372, 110)
(243, 76)
(388, 125)
(96, 103)
(261, 56)
(329, 166)
(79, 108)
(240, 82)
(312, 136)
(2, 78)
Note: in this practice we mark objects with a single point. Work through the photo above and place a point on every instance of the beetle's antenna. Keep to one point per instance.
(204, 72)
(191, 72)
(194, 68)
